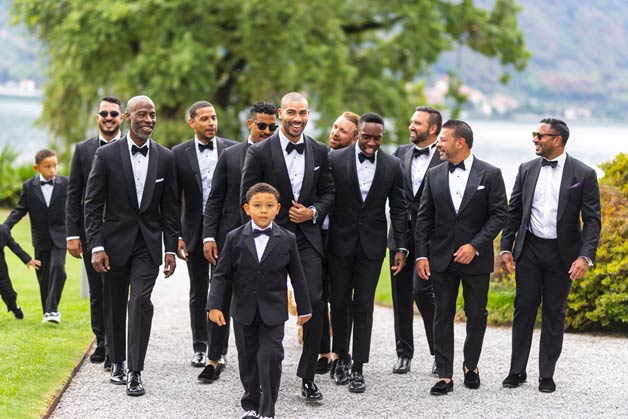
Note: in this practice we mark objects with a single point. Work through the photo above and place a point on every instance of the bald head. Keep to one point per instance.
(293, 97)
(141, 117)
(135, 101)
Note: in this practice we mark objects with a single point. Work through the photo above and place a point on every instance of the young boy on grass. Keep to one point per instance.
(255, 261)
(9, 296)
(43, 198)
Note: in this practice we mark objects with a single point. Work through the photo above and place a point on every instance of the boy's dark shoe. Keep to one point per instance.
(98, 356)
(209, 374)
(17, 312)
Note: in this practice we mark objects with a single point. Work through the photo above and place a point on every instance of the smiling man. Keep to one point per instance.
(298, 167)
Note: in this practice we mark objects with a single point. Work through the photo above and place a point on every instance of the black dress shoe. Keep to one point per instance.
(442, 387)
(547, 385)
(514, 380)
(222, 362)
(17, 312)
(356, 382)
(199, 360)
(402, 366)
(209, 374)
(471, 378)
(322, 366)
(107, 364)
(310, 391)
(332, 368)
(118, 376)
(341, 374)
(98, 356)
(134, 385)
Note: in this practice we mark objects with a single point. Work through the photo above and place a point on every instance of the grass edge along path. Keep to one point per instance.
(36, 359)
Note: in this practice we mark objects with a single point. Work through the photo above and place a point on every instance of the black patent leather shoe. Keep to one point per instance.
(341, 374)
(547, 385)
(514, 380)
(402, 366)
(310, 391)
(209, 374)
(322, 366)
(134, 386)
(332, 368)
(199, 360)
(118, 375)
(222, 362)
(442, 387)
(434, 369)
(98, 355)
(107, 364)
(471, 378)
(356, 383)
(17, 312)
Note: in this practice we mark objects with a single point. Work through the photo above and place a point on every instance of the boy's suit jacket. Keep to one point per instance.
(7, 240)
(112, 216)
(259, 284)
(47, 223)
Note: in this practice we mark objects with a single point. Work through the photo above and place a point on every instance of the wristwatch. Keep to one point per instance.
(314, 214)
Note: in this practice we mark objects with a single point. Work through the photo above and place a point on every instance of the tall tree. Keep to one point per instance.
(359, 55)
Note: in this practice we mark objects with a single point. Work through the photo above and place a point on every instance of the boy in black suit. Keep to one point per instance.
(9, 296)
(254, 261)
(43, 198)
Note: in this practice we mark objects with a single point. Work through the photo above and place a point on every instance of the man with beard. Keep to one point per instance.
(298, 167)
(416, 159)
(222, 214)
(195, 162)
(130, 210)
(109, 119)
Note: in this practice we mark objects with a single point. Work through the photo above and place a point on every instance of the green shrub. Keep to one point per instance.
(11, 176)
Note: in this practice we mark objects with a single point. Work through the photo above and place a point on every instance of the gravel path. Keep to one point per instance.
(591, 378)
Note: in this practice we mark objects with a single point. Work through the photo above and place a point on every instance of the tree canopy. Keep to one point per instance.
(358, 55)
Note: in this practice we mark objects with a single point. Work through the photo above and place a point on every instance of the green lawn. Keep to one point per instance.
(36, 359)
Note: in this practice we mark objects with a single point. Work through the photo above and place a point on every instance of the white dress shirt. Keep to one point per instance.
(260, 241)
(458, 182)
(46, 189)
(544, 210)
(295, 163)
(366, 172)
(207, 164)
(139, 163)
(420, 164)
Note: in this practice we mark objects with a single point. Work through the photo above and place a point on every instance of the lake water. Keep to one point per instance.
(502, 143)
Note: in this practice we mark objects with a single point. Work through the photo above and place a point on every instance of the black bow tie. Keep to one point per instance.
(453, 167)
(298, 147)
(546, 162)
(102, 143)
(362, 157)
(416, 152)
(208, 146)
(47, 182)
(266, 231)
(135, 149)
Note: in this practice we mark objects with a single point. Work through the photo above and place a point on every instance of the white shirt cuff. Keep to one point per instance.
(209, 239)
(72, 238)
(98, 249)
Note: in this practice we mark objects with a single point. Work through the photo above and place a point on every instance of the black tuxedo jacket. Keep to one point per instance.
(222, 210)
(80, 167)
(190, 190)
(404, 153)
(353, 218)
(259, 284)
(265, 163)
(112, 216)
(479, 220)
(579, 199)
(47, 223)
(7, 240)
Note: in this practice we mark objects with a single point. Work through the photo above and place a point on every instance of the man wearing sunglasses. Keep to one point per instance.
(109, 119)
(195, 162)
(552, 233)
(222, 214)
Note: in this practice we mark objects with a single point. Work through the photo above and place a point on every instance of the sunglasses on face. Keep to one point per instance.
(104, 114)
(262, 126)
(540, 135)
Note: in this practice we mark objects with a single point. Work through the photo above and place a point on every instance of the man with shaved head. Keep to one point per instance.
(298, 167)
(130, 208)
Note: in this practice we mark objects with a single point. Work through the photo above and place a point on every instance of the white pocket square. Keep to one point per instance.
(481, 187)
(316, 168)
(159, 180)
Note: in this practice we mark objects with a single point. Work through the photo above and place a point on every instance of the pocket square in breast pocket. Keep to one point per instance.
(575, 185)
(481, 187)
(159, 180)
(316, 168)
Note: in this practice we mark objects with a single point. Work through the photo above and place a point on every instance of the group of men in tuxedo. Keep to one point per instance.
(446, 208)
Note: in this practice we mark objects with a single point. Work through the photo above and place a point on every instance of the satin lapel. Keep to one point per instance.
(92, 146)
(151, 175)
(244, 149)
(434, 161)
(407, 169)
(529, 187)
(308, 175)
(37, 190)
(55, 190)
(191, 153)
(279, 164)
(475, 177)
(352, 175)
(565, 183)
(249, 242)
(443, 192)
(273, 240)
(378, 178)
(127, 169)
